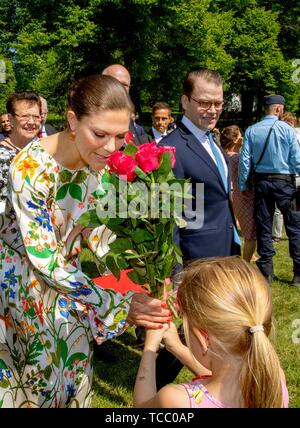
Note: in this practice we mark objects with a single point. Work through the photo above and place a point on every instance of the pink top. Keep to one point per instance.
(201, 398)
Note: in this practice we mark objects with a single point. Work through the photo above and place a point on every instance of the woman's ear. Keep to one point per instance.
(72, 119)
(202, 337)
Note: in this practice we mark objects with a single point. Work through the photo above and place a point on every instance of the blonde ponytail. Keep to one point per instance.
(260, 378)
(227, 297)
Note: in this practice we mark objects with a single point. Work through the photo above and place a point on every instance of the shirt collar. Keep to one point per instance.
(271, 116)
(157, 135)
(198, 133)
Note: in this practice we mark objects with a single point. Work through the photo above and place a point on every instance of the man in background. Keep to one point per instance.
(136, 135)
(46, 129)
(161, 119)
(271, 145)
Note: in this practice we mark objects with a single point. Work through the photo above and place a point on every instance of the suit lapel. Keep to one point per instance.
(199, 150)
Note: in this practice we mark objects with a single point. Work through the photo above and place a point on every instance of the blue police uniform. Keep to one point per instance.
(274, 183)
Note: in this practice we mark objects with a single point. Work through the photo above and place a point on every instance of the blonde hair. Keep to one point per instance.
(226, 296)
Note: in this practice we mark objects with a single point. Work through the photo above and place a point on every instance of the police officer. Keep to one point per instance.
(274, 182)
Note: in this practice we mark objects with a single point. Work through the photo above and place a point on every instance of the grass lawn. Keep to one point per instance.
(113, 382)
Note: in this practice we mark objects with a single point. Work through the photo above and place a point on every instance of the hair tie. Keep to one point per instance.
(256, 328)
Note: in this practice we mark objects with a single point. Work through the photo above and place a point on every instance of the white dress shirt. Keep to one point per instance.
(157, 135)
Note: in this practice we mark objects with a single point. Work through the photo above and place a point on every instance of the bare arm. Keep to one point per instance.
(145, 384)
(182, 352)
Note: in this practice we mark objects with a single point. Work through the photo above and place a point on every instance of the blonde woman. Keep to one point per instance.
(227, 313)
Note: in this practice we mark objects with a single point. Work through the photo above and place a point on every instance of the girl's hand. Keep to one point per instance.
(153, 338)
(148, 312)
(171, 337)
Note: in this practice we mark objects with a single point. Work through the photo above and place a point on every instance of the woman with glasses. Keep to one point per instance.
(50, 311)
(24, 110)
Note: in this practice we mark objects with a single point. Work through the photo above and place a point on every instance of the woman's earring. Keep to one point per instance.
(72, 135)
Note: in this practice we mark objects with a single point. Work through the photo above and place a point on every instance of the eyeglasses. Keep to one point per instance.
(206, 105)
(26, 117)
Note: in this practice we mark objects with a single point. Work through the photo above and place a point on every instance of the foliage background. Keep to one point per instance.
(48, 43)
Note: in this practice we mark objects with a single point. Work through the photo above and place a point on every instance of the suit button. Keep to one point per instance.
(231, 226)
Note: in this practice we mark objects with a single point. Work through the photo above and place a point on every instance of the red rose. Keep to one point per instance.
(147, 157)
(123, 165)
(162, 149)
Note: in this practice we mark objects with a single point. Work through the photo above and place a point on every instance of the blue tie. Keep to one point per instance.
(221, 169)
(218, 157)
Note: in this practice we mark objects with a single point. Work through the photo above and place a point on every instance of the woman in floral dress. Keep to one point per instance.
(50, 311)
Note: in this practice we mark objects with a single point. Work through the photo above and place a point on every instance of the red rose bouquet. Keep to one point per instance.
(141, 201)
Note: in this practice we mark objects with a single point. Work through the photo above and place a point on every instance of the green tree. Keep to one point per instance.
(7, 81)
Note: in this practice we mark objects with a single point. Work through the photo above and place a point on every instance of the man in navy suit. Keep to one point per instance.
(212, 231)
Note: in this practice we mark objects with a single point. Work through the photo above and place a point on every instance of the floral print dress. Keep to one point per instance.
(49, 309)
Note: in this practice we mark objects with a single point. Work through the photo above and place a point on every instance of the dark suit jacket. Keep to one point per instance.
(50, 130)
(138, 138)
(215, 236)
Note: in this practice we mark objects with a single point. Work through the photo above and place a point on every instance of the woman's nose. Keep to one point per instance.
(110, 145)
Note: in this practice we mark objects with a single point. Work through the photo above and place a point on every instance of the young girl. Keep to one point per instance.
(227, 313)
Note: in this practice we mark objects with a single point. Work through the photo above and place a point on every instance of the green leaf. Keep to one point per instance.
(31, 313)
(48, 344)
(140, 235)
(80, 177)
(75, 191)
(122, 263)
(3, 365)
(130, 150)
(114, 223)
(140, 270)
(47, 372)
(165, 164)
(40, 254)
(62, 191)
(120, 245)
(89, 219)
(1, 403)
(142, 175)
(136, 278)
(112, 266)
(65, 176)
(62, 350)
(77, 356)
(4, 383)
(55, 358)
